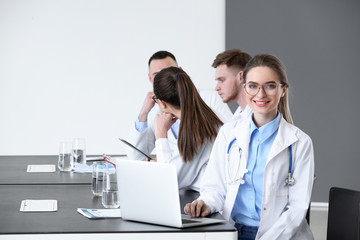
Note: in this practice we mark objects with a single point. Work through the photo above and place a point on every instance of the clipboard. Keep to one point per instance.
(129, 144)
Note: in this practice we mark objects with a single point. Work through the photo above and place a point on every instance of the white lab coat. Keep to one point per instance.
(283, 207)
(190, 173)
(239, 113)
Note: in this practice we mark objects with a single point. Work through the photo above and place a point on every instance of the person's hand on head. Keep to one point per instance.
(197, 208)
(147, 106)
(163, 123)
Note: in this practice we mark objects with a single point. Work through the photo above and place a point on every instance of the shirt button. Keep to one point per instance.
(264, 208)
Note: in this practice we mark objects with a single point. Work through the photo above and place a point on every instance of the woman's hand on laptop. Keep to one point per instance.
(197, 208)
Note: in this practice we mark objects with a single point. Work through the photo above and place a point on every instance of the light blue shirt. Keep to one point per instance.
(142, 126)
(247, 206)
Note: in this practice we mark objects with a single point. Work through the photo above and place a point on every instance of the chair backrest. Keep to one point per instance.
(307, 217)
(344, 214)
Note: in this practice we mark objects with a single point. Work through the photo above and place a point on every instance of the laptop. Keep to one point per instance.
(149, 193)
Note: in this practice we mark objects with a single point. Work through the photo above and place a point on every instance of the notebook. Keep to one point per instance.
(149, 193)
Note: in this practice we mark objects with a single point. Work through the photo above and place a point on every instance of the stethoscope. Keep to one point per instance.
(241, 167)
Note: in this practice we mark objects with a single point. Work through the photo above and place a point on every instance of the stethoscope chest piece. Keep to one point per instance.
(290, 180)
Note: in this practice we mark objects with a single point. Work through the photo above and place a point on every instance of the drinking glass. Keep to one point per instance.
(78, 151)
(110, 194)
(65, 160)
(98, 171)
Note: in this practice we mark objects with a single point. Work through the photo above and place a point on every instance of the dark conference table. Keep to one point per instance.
(13, 171)
(70, 195)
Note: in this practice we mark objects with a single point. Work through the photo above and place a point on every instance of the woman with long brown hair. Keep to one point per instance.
(182, 105)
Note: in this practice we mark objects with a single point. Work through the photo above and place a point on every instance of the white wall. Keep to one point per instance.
(79, 68)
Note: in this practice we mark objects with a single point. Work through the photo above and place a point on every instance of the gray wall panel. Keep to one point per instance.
(319, 43)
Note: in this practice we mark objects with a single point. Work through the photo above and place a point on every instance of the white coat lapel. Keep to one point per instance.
(285, 137)
(241, 132)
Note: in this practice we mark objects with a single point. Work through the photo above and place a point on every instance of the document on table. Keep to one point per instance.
(41, 168)
(38, 205)
(99, 213)
(84, 168)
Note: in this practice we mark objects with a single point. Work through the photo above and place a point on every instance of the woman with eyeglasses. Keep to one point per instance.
(196, 126)
(260, 173)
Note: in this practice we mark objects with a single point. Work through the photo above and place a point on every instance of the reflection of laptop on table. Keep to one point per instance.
(149, 193)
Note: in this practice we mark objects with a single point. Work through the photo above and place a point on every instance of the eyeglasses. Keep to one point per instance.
(270, 89)
(155, 99)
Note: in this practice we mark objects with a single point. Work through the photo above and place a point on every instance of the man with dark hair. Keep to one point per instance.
(229, 67)
(161, 55)
(157, 62)
(142, 133)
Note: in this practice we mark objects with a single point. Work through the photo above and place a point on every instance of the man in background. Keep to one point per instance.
(229, 67)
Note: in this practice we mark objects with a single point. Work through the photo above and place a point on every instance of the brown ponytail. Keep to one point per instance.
(199, 124)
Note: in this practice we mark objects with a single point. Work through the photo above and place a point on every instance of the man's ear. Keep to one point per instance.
(239, 76)
(150, 79)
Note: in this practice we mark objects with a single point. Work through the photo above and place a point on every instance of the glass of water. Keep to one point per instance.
(98, 170)
(78, 151)
(65, 161)
(110, 194)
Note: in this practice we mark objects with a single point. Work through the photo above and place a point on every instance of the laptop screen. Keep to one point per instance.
(148, 192)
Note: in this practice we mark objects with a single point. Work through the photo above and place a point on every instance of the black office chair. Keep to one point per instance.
(344, 214)
(308, 214)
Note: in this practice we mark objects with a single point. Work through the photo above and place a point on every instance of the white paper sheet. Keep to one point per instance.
(41, 168)
(38, 205)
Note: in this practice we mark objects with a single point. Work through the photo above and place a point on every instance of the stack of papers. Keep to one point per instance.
(100, 213)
